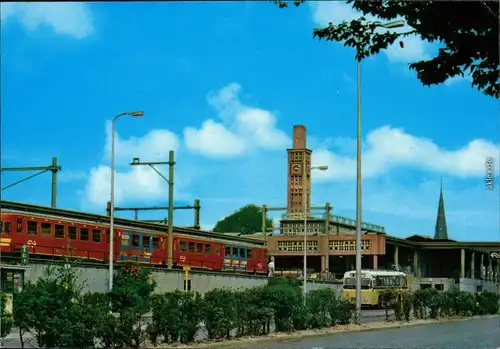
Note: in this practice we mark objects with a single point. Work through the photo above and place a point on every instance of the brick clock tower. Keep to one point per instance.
(299, 164)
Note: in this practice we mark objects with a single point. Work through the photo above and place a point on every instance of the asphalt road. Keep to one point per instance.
(477, 333)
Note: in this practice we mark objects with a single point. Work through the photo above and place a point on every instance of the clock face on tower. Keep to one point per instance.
(296, 169)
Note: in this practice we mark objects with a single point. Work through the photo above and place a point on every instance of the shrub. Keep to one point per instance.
(285, 298)
(219, 313)
(254, 313)
(487, 303)
(5, 317)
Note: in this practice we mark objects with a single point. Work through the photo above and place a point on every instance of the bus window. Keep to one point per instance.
(32, 227)
(199, 248)
(19, 225)
(156, 242)
(84, 234)
(59, 231)
(72, 233)
(46, 229)
(228, 251)
(183, 246)
(208, 249)
(191, 247)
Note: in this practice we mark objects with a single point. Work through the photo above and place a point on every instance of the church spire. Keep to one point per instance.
(441, 232)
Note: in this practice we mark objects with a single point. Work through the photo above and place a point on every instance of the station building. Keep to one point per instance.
(331, 240)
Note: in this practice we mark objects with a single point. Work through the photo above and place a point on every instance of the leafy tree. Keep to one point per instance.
(247, 220)
(466, 30)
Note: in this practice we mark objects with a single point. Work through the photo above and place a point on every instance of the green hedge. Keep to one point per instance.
(57, 313)
(431, 303)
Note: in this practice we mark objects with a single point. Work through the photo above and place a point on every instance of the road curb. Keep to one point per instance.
(281, 337)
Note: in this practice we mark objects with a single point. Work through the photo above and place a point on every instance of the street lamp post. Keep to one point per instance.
(390, 25)
(304, 199)
(112, 200)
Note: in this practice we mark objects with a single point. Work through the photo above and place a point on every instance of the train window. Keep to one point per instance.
(96, 235)
(6, 227)
(208, 249)
(249, 254)
(228, 251)
(146, 241)
(136, 240)
(46, 229)
(199, 248)
(235, 251)
(183, 246)
(217, 250)
(19, 225)
(126, 240)
(32, 227)
(84, 234)
(72, 233)
(242, 253)
(107, 235)
(191, 247)
(156, 242)
(59, 231)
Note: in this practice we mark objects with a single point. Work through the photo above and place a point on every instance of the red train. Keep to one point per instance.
(62, 235)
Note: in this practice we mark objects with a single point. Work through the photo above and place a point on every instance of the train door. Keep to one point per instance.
(242, 258)
(228, 257)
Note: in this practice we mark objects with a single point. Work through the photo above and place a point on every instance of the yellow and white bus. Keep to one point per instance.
(373, 282)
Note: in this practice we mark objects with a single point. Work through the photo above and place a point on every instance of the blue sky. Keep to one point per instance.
(223, 84)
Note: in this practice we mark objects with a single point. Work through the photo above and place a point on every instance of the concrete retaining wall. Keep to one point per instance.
(95, 279)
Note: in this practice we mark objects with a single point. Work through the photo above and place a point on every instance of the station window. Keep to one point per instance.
(191, 247)
(32, 227)
(84, 234)
(59, 231)
(228, 251)
(19, 225)
(249, 254)
(72, 233)
(46, 229)
(217, 250)
(199, 248)
(6, 227)
(156, 242)
(208, 249)
(96, 235)
(136, 240)
(146, 241)
(183, 246)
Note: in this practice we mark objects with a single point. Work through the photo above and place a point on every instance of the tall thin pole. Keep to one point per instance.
(54, 170)
(112, 206)
(304, 199)
(358, 200)
(171, 164)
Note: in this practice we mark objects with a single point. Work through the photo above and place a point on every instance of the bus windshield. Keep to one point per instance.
(350, 283)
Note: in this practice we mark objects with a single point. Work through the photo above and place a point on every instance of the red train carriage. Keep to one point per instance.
(51, 235)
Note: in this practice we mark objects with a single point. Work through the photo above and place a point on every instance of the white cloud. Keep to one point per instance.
(388, 147)
(414, 48)
(241, 128)
(153, 146)
(132, 183)
(68, 18)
